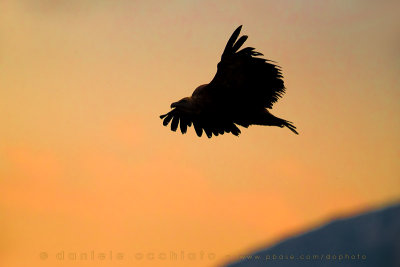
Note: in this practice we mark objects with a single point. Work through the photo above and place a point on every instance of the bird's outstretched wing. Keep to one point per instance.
(244, 79)
(210, 125)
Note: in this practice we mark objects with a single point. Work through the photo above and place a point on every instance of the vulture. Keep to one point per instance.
(241, 92)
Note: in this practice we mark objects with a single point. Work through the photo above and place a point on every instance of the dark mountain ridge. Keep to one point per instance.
(370, 239)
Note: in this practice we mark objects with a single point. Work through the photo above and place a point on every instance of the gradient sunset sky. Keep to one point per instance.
(86, 165)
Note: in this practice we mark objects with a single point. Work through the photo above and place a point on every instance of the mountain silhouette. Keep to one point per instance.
(371, 239)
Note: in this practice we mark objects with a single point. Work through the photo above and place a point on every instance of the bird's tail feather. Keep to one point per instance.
(271, 120)
(289, 125)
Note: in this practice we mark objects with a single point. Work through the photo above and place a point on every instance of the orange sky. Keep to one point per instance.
(86, 165)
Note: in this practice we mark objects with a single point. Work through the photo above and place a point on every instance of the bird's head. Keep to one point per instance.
(185, 104)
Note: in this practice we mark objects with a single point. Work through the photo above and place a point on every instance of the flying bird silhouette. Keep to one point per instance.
(241, 92)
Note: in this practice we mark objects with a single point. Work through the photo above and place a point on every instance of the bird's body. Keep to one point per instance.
(242, 91)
